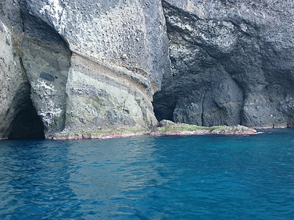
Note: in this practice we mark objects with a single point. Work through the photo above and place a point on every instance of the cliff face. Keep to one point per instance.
(232, 63)
(83, 65)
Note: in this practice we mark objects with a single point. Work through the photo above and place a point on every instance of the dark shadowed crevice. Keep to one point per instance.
(27, 124)
(162, 111)
(164, 106)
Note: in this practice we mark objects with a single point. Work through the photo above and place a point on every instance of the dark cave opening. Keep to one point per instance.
(163, 105)
(27, 124)
(163, 112)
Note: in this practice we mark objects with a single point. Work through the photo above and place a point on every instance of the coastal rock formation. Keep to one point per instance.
(232, 63)
(14, 87)
(80, 65)
(167, 127)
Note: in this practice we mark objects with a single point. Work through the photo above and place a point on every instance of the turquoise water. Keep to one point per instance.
(188, 177)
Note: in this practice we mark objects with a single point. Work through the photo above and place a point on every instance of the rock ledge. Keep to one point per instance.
(165, 128)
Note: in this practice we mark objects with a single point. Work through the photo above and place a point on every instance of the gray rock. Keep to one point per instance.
(10, 15)
(81, 59)
(232, 63)
(46, 76)
(83, 65)
(164, 123)
(14, 89)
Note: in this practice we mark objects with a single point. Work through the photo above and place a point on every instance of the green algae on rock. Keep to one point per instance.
(165, 128)
(169, 128)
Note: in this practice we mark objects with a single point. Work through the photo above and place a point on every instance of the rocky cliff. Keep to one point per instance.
(72, 66)
(84, 65)
(232, 63)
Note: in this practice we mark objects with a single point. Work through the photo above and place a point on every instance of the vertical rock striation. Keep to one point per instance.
(232, 63)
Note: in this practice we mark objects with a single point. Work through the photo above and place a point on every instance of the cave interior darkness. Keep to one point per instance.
(27, 124)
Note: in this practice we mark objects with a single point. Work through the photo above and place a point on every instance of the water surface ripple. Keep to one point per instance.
(188, 177)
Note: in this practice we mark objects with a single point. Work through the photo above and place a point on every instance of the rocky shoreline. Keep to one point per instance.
(81, 69)
(165, 128)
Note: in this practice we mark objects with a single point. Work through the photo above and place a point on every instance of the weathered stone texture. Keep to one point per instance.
(130, 34)
(97, 98)
(88, 65)
(85, 65)
(11, 78)
(232, 63)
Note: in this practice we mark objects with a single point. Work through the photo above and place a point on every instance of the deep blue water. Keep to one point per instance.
(188, 177)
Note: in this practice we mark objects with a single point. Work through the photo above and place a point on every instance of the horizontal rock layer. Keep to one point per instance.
(80, 65)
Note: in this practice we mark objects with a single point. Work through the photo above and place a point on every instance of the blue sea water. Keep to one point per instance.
(185, 177)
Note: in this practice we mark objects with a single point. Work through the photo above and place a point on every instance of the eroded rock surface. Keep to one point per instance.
(13, 81)
(232, 63)
(86, 65)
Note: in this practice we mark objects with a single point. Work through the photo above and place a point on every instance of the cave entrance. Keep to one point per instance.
(27, 124)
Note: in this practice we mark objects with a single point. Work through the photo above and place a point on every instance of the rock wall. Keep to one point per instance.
(232, 63)
(82, 65)
(13, 81)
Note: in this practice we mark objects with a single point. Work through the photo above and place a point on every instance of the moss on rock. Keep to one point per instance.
(165, 128)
